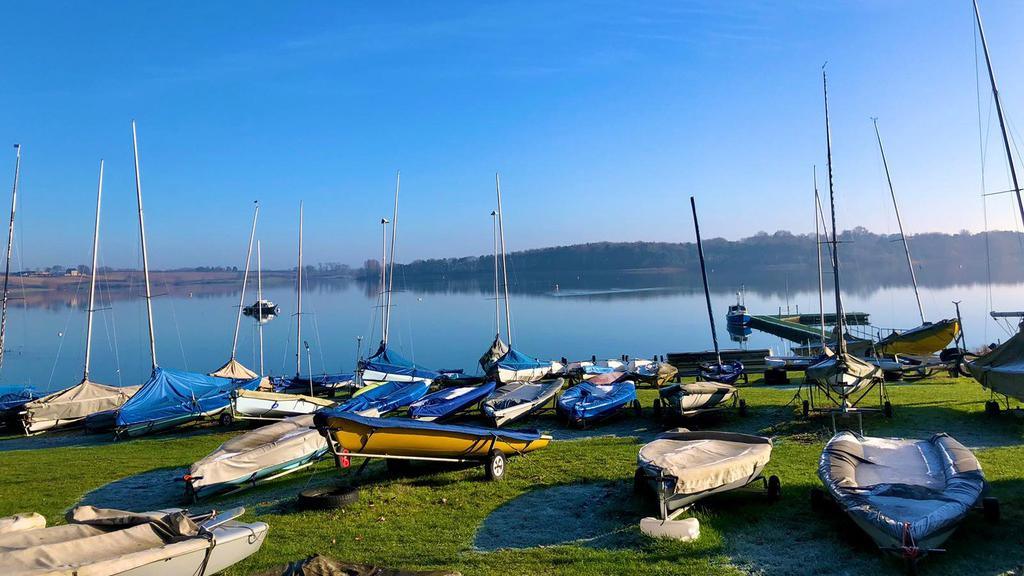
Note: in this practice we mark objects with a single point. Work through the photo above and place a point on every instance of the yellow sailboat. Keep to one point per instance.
(929, 338)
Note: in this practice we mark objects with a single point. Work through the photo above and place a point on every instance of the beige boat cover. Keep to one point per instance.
(318, 565)
(261, 449)
(843, 373)
(99, 542)
(1002, 369)
(28, 521)
(702, 461)
(77, 402)
(280, 396)
(235, 371)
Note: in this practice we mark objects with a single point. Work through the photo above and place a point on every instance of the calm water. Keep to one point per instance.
(436, 327)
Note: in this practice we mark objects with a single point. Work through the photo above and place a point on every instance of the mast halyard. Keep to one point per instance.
(245, 280)
(899, 221)
(704, 277)
(391, 271)
(383, 281)
(840, 318)
(504, 267)
(497, 300)
(817, 253)
(92, 277)
(10, 246)
(145, 253)
(298, 305)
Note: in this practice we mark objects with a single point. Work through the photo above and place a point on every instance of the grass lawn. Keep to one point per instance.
(567, 509)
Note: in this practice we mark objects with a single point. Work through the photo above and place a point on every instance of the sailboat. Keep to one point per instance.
(12, 398)
(513, 365)
(498, 348)
(387, 365)
(71, 406)
(170, 397)
(842, 377)
(233, 368)
(929, 337)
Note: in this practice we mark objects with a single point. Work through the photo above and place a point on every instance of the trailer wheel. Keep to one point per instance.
(637, 408)
(806, 408)
(818, 499)
(327, 498)
(226, 419)
(774, 488)
(990, 506)
(887, 409)
(496, 462)
(743, 407)
(657, 407)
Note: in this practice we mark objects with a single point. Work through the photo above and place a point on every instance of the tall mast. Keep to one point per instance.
(10, 246)
(504, 268)
(840, 319)
(259, 300)
(245, 280)
(391, 272)
(497, 300)
(999, 111)
(899, 221)
(145, 254)
(704, 276)
(298, 305)
(817, 253)
(383, 281)
(92, 277)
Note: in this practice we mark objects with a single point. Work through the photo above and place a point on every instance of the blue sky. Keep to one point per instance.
(601, 116)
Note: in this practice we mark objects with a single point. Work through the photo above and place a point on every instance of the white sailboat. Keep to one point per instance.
(233, 368)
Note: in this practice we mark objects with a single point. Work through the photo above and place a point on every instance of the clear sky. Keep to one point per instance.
(601, 116)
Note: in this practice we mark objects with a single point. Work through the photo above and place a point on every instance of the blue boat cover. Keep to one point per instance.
(585, 401)
(325, 381)
(516, 360)
(592, 369)
(12, 397)
(386, 397)
(390, 362)
(171, 394)
(320, 421)
(727, 372)
(442, 403)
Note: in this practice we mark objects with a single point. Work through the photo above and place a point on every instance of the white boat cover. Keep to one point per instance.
(265, 448)
(235, 371)
(704, 461)
(18, 522)
(1002, 369)
(697, 395)
(902, 491)
(283, 397)
(73, 404)
(844, 374)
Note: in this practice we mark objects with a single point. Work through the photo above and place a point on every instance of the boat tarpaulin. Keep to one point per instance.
(494, 353)
(12, 397)
(1002, 369)
(386, 397)
(176, 394)
(844, 374)
(902, 491)
(448, 401)
(234, 370)
(589, 401)
(74, 404)
(387, 361)
(703, 461)
(321, 418)
(516, 361)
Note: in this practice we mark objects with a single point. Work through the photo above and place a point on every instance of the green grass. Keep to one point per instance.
(433, 518)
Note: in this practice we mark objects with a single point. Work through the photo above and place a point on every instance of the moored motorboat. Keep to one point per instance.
(448, 402)
(384, 398)
(587, 402)
(105, 542)
(262, 309)
(519, 399)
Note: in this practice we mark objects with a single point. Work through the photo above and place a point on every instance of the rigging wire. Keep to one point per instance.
(63, 334)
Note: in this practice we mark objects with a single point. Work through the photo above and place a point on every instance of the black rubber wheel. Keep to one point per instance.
(637, 408)
(806, 408)
(774, 488)
(743, 407)
(818, 499)
(657, 407)
(327, 498)
(990, 506)
(496, 463)
(226, 419)
(887, 409)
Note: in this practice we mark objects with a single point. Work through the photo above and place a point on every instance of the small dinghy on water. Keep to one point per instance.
(517, 400)
(106, 542)
(589, 402)
(258, 455)
(384, 398)
(908, 495)
(682, 467)
(448, 402)
(351, 435)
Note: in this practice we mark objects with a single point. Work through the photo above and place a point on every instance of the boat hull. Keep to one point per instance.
(274, 406)
(694, 397)
(921, 341)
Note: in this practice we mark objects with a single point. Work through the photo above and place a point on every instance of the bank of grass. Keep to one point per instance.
(532, 524)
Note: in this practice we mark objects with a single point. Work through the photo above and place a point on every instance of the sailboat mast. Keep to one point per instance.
(383, 280)
(497, 300)
(391, 272)
(145, 253)
(10, 246)
(92, 277)
(840, 318)
(259, 300)
(504, 267)
(704, 277)
(817, 253)
(899, 221)
(999, 111)
(245, 280)
(298, 305)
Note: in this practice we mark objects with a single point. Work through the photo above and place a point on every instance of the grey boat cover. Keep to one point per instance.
(703, 461)
(1002, 369)
(519, 393)
(902, 491)
(697, 395)
(493, 354)
(234, 370)
(318, 565)
(655, 373)
(843, 374)
(74, 404)
(99, 542)
(267, 447)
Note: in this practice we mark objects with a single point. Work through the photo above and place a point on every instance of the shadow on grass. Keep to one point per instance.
(78, 437)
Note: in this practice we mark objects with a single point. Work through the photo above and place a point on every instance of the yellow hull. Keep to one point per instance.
(446, 442)
(921, 341)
